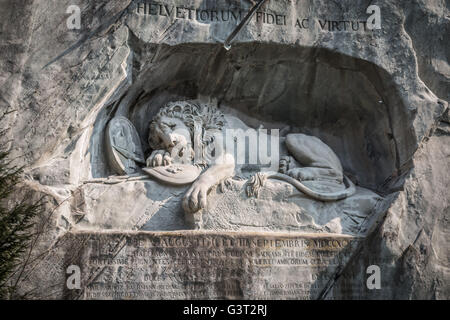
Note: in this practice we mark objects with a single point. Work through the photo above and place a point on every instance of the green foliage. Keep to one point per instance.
(16, 224)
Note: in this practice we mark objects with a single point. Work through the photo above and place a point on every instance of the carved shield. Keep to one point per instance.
(123, 146)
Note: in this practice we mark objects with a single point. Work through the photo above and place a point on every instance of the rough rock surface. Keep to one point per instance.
(379, 98)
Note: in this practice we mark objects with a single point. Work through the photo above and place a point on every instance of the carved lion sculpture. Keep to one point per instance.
(183, 136)
(183, 132)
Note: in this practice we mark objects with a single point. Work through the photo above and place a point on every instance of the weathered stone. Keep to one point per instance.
(376, 98)
(172, 265)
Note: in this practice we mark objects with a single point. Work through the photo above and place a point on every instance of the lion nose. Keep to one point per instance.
(171, 141)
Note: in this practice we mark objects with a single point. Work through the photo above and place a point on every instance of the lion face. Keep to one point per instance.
(172, 132)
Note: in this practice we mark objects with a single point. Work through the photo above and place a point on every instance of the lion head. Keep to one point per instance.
(188, 125)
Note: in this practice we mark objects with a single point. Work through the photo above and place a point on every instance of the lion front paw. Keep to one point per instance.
(196, 197)
(159, 158)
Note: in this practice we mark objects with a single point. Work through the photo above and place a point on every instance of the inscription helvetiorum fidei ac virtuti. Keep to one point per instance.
(256, 171)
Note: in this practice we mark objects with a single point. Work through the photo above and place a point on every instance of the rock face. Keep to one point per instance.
(377, 97)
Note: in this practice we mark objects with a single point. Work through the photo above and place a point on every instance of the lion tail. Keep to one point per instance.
(256, 182)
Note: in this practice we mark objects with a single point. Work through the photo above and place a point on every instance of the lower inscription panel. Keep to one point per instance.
(205, 265)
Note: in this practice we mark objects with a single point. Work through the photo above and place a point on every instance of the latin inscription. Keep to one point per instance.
(235, 15)
(203, 265)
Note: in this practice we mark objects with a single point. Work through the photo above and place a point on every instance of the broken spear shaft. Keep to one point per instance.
(227, 43)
